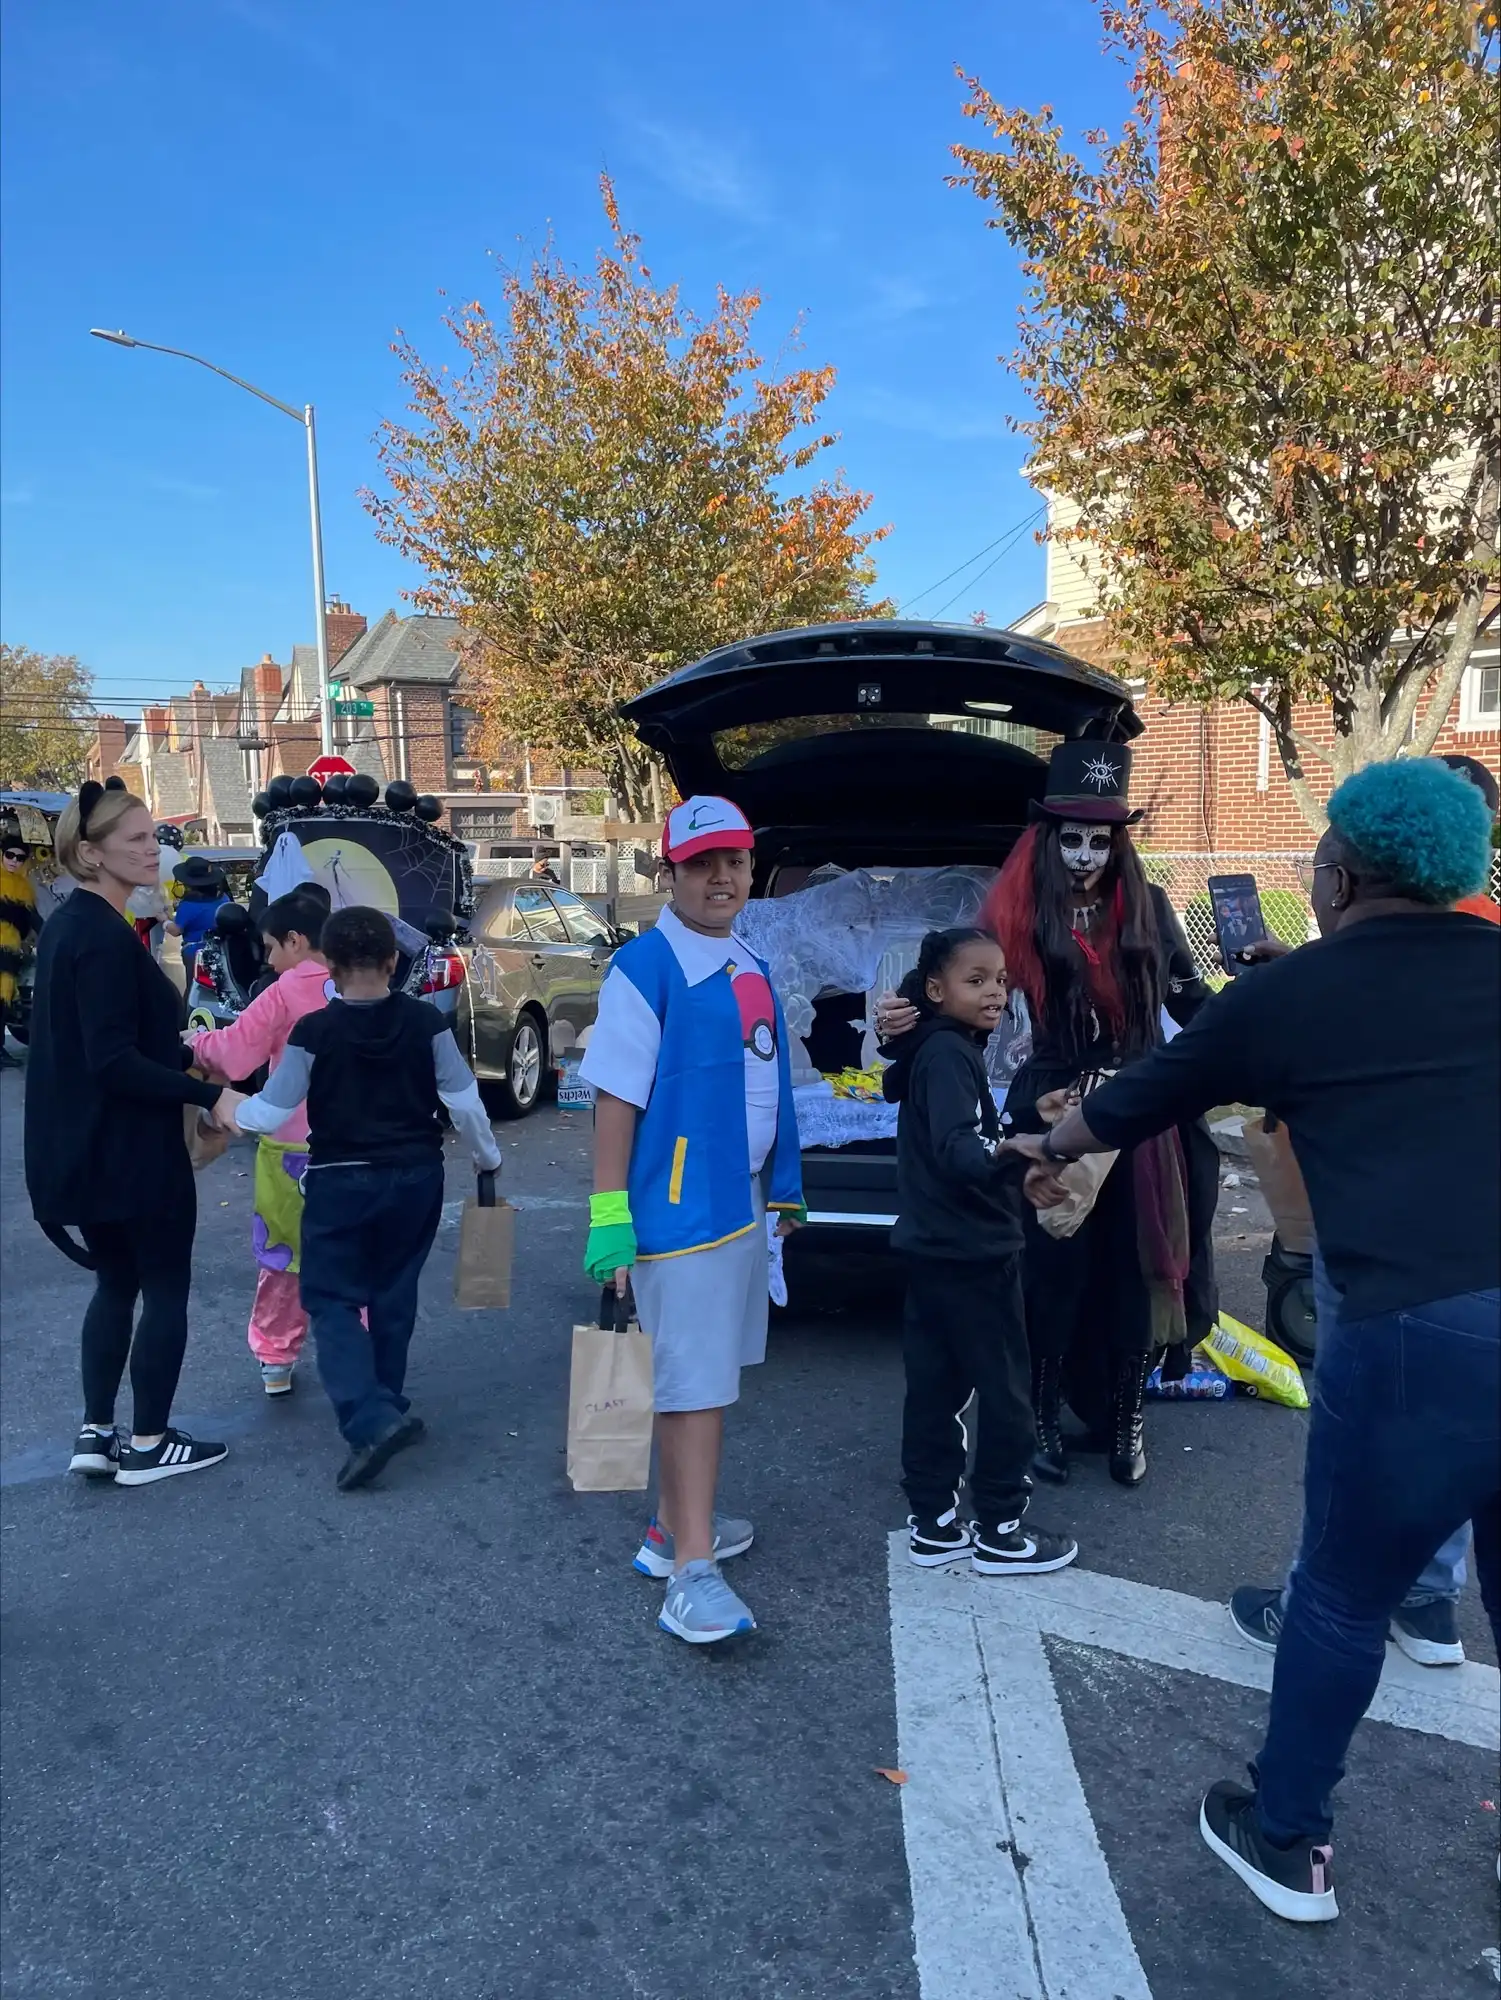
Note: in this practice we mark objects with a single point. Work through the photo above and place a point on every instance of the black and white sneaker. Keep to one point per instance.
(935, 1539)
(177, 1452)
(1015, 1549)
(1257, 1615)
(96, 1454)
(1429, 1633)
(1295, 1882)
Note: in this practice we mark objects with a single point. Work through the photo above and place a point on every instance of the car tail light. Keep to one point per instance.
(202, 976)
(444, 969)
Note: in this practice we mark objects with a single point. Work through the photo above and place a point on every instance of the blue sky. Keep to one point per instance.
(280, 186)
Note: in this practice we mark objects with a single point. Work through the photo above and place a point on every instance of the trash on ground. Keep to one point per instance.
(894, 1777)
(1204, 1382)
(1257, 1365)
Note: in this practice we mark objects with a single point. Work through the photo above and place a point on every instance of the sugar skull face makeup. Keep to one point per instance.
(1085, 850)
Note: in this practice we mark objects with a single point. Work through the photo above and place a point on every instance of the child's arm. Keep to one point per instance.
(621, 1064)
(270, 1108)
(460, 1092)
(239, 1050)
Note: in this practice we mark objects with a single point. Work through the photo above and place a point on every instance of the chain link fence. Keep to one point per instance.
(1185, 877)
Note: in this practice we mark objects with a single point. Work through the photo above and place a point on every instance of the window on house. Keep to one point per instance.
(460, 722)
(1480, 693)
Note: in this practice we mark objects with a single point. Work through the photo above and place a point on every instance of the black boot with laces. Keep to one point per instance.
(1050, 1461)
(1128, 1446)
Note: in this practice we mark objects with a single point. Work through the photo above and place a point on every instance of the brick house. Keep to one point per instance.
(1210, 778)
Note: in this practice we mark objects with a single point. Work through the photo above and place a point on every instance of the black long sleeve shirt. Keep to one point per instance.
(955, 1198)
(106, 1077)
(1379, 1047)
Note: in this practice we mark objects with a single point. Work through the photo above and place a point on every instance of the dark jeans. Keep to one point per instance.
(366, 1232)
(1404, 1444)
(150, 1259)
(965, 1333)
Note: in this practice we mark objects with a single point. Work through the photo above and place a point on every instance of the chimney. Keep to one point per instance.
(155, 722)
(108, 747)
(344, 627)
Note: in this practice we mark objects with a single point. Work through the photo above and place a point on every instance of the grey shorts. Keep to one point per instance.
(706, 1313)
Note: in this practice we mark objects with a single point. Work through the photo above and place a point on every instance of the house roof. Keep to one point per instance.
(173, 784)
(403, 649)
(299, 693)
(225, 792)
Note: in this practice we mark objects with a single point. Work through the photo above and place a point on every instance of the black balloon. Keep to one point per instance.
(400, 796)
(279, 791)
(306, 792)
(361, 789)
(428, 808)
(260, 805)
(333, 788)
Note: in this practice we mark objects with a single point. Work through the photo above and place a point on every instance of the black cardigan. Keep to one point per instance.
(105, 1078)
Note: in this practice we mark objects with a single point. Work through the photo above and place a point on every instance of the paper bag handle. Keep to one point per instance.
(614, 1310)
(486, 1189)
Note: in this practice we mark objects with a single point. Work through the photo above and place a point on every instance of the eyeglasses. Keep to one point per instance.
(1308, 869)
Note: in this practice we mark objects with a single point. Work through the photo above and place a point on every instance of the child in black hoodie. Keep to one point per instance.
(959, 1233)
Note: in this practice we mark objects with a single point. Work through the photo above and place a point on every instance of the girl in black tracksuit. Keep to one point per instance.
(959, 1232)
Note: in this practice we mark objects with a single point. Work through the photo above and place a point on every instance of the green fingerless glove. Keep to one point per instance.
(612, 1236)
(798, 1214)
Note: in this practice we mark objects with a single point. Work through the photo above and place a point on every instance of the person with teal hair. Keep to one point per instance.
(1379, 1046)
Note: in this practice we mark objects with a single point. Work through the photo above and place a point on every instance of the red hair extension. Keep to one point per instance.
(1010, 913)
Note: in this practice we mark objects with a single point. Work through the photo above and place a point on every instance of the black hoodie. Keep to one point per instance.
(373, 1095)
(956, 1200)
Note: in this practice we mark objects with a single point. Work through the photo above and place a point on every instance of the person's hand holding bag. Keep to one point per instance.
(610, 1251)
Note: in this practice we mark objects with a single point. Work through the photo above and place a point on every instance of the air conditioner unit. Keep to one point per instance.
(546, 809)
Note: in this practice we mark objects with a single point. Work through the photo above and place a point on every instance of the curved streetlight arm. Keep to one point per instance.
(182, 354)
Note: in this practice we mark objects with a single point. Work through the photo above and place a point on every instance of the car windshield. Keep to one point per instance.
(739, 748)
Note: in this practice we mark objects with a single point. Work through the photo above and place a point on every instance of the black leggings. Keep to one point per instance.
(152, 1260)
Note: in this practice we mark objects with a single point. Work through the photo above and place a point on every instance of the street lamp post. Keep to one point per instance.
(304, 416)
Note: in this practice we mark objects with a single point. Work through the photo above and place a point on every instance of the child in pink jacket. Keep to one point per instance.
(292, 927)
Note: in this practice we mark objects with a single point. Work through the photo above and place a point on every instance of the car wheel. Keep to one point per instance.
(1291, 1319)
(519, 1085)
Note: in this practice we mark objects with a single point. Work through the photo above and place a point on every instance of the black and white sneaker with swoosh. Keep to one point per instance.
(176, 1452)
(1014, 1548)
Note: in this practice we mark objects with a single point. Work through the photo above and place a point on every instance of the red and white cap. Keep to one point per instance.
(701, 823)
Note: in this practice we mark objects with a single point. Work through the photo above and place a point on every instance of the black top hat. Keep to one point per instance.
(1088, 782)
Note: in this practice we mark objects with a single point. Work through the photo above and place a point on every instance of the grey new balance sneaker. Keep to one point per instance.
(657, 1557)
(701, 1608)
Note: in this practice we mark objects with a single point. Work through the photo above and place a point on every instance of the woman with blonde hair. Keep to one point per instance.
(106, 1151)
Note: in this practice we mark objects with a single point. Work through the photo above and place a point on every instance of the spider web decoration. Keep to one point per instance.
(429, 870)
(1101, 773)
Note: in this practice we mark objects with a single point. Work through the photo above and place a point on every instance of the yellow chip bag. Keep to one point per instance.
(1256, 1363)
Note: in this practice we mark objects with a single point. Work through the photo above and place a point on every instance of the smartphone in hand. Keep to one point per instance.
(1238, 922)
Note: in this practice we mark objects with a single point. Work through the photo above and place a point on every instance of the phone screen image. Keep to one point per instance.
(1238, 921)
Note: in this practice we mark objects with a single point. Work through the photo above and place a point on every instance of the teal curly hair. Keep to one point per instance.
(1415, 828)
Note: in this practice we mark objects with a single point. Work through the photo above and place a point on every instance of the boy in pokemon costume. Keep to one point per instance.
(695, 1139)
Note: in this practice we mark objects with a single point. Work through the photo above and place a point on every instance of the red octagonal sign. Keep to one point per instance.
(330, 767)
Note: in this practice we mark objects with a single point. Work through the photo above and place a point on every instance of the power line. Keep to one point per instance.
(1011, 533)
(1010, 543)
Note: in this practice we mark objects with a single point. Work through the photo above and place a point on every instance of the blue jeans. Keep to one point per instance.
(1445, 1575)
(366, 1234)
(1404, 1445)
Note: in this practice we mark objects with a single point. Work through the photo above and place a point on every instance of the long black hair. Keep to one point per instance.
(934, 955)
(1031, 910)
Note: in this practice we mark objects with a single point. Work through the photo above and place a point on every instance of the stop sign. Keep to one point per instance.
(330, 767)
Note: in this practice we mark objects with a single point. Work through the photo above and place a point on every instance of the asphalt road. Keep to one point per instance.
(263, 1738)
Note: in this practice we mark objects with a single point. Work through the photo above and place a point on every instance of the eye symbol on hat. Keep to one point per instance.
(1100, 772)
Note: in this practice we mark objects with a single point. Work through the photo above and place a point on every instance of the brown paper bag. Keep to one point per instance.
(1281, 1181)
(206, 1141)
(487, 1240)
(1083, 1178)
(610, 1404)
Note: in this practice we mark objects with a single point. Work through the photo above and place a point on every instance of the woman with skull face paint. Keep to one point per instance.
(1099, 953)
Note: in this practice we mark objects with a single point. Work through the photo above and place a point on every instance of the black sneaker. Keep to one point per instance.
(1429, 1633)
(935, 1539)
(1296, 1882)
(177, 1452)
(1257, 1616)
(1015, 1549)
(366, 1460)
(96, 1454)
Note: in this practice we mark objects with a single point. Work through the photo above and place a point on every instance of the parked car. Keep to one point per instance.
(881, 744)
(533, 963)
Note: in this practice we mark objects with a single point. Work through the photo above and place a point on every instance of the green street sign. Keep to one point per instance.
(364, 708)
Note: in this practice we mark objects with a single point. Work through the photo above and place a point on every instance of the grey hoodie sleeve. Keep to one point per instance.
(285, 1089)
(460, 1092)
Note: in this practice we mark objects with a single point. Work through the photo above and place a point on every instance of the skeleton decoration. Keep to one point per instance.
(1085, 849)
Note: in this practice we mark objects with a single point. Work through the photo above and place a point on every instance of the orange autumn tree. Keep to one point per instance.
(607, 487)
(1260, 332)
